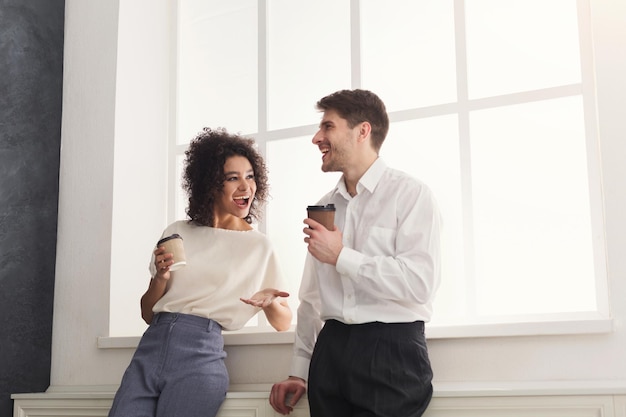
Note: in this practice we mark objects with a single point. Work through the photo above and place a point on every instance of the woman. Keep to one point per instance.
(178, 368)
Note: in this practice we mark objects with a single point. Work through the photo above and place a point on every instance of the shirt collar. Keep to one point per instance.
(368, 181)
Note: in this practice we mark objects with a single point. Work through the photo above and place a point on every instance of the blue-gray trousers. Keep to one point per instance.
(177, 370)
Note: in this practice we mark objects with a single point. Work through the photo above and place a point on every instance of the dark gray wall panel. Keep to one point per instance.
(31, 75)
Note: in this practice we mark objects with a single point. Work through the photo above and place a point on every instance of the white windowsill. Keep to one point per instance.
(271, 337)
(591, 325)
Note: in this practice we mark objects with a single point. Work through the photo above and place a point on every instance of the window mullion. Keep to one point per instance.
(263, 60)
(465, 156)
(355, 43)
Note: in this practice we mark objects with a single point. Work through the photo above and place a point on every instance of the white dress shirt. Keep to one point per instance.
(389, 268)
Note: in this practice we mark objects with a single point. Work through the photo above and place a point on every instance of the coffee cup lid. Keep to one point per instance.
(327, 207)
(170, 237)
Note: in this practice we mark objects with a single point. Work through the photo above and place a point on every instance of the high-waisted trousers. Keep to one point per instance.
(177, 370)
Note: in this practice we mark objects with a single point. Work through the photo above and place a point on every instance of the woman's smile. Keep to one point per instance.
(242, 201)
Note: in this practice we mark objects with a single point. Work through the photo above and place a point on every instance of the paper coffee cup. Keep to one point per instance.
(323, 214)
(174, 244)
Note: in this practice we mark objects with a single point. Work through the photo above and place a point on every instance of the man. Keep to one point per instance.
(368, 284)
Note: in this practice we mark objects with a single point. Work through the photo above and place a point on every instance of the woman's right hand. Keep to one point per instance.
(158, 283)
(163, 260)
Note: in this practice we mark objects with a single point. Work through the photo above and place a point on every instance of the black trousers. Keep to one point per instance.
(370, 370)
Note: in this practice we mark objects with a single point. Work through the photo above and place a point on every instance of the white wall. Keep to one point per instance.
(114, 138)
(98, 125)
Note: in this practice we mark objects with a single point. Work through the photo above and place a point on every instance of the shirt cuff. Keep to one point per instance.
(349, 262)
(300, 367)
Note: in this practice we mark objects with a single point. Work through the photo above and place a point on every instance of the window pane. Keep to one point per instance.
(296, 181)
(308, 57)
(513, 190)
(521, 45)
(407, 52)
(531, 207)
(428, 149)
(217, 71)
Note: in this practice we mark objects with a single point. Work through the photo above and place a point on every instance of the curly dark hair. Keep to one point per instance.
(203, 175)
(358, 106)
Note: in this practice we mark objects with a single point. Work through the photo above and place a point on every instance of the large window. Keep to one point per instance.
(491, 103)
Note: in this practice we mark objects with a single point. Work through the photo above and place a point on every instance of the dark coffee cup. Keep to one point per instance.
(174, 244)
(323, 214)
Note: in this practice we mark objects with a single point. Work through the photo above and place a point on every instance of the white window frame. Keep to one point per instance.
(598, 322)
